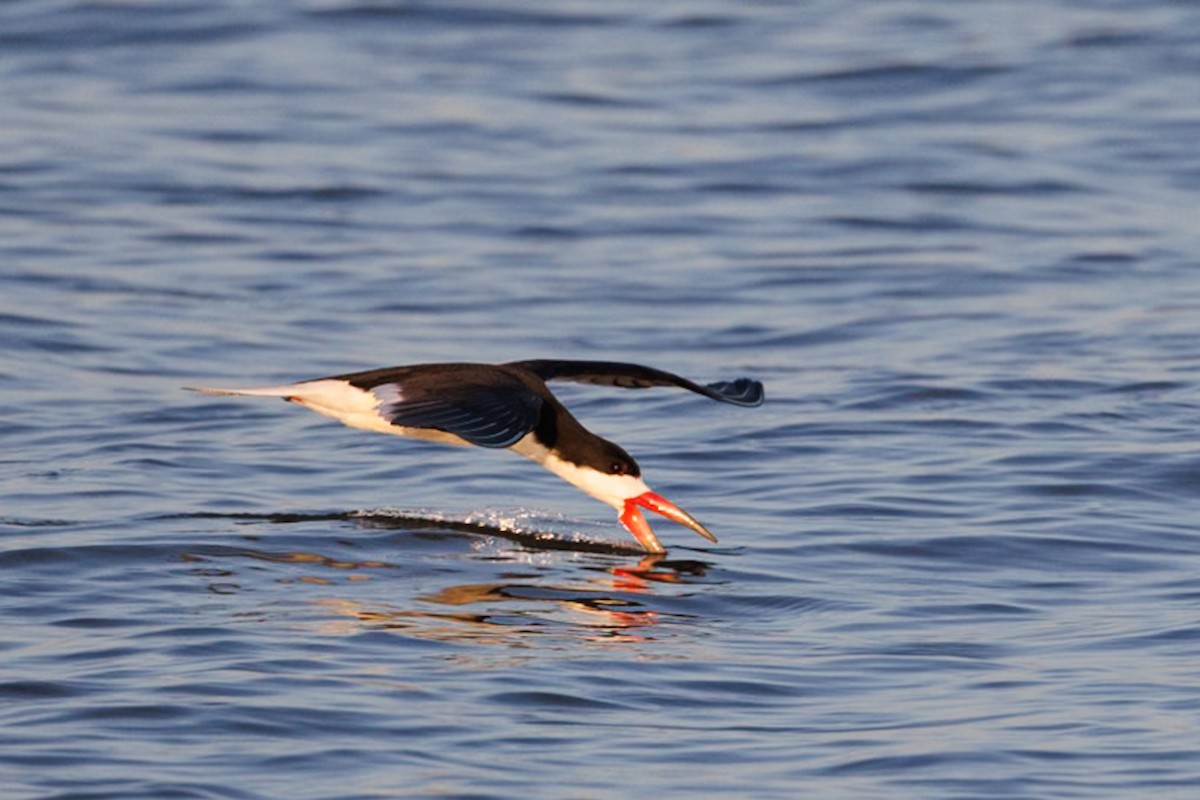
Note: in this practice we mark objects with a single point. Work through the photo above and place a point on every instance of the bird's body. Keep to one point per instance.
(510, 406)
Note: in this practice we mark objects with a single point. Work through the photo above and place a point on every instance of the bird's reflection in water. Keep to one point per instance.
(607, 607)
(599, 598)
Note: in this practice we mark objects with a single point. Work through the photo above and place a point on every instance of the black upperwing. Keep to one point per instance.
(479, 416)
(478, 403)
(739, 392)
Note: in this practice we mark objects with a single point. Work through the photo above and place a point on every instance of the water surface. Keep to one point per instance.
(958, 549)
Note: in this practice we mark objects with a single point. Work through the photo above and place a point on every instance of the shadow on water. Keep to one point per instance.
(599, 594)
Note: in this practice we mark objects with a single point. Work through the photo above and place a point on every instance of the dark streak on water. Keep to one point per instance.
(958, 552)
(531, 538)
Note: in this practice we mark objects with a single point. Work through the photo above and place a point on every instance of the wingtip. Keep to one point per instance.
(740, 392)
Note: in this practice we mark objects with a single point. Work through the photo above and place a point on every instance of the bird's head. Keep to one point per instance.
(612, 476)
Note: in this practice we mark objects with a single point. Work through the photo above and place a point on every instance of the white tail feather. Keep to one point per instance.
(341, 400)
(290, 390)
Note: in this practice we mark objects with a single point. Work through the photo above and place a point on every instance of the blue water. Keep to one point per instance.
(958, 554)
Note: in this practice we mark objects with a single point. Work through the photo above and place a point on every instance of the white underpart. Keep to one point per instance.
(611, 489)
(343, 401)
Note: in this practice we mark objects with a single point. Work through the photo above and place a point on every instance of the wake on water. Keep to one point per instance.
(521, 527)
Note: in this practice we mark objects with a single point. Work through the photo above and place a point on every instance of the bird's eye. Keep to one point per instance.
(616, 468)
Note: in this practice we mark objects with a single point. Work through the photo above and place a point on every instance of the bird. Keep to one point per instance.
(510, 406)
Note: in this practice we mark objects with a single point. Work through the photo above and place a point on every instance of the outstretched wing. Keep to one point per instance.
(480, 415)
(739, 392)
(478, 403)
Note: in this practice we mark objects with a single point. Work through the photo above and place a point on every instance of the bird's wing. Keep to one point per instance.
(739, 392)
(484, 418)
(496, 413)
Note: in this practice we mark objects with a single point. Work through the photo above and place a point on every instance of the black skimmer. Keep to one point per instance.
(509, 406)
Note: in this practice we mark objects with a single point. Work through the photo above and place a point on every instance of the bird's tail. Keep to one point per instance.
(289, 390)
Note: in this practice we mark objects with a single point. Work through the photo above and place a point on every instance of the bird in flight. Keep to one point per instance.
(509, 406)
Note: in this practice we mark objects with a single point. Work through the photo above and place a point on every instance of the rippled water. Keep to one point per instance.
(958, 553)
